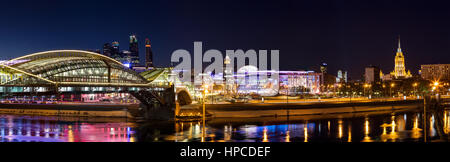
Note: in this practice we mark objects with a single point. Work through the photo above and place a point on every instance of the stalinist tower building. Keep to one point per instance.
(400, 70)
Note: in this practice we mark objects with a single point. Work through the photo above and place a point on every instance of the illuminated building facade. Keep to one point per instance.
(341, 77)
(299, 82)
(230, 86)
(125, 58)
(436, 72)
(250, 80)
(83, 72)
(400, 70)
(372, 74)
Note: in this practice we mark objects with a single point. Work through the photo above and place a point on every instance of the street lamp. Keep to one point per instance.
(415, 91)
(436, 86)
(365, 86)
(390, 89)
(339, 89)
(205, 91)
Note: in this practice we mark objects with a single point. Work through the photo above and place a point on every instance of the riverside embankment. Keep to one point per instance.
(248, 110)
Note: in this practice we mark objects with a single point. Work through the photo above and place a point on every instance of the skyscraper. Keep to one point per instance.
(126, 58)
(400, 70)
(345, 76)
(115, 54)
(148, 54)
(134, 49)
(107, 49)
(340, 77)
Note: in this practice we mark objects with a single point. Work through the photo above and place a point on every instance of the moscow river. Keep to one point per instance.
(403, 126)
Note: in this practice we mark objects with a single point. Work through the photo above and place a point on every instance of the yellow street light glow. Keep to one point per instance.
(436, 83)
(392, 85)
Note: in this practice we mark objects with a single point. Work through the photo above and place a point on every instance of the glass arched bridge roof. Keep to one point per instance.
(68, 67)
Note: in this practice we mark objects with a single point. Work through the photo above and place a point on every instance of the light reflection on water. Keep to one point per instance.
(51, 129)
(390, 127)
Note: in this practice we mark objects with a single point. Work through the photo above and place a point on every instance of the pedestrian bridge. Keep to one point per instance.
(74, 72)
(69, 68)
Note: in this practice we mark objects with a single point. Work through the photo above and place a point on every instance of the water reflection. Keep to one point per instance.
(340, 128)
(381, 127)
(265, 135)
(53, 129)
(366, 130)
(390, 127)
(305, 130)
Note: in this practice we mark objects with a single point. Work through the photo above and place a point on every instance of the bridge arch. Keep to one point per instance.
(183, 97)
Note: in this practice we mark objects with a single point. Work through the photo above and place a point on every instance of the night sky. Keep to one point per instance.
(347, 35)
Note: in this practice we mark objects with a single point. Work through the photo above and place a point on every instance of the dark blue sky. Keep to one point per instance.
(347, 35)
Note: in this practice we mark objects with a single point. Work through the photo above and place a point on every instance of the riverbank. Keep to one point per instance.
(237, 110)
(69, 110)
(256, 110)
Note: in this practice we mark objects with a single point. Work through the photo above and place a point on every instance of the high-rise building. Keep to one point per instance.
(323, 70)
(339, 77)
(134, 51)
(345, 76)
(107, 49)
(148, 54)
(115, 54)
(436, 72)
(400, 70)
(125, 58)
(372, 74)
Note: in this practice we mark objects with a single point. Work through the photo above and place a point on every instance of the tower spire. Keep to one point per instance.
(399, 47)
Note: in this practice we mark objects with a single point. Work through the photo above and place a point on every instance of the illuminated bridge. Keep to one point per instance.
(68, 74)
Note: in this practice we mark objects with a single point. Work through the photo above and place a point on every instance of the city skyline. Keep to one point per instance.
(347, 36)
(190, 73)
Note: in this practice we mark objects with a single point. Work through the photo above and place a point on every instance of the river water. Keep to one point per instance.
(395, 126)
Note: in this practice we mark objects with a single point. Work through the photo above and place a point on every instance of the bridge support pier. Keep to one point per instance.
(157, 112)
(157, 106)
